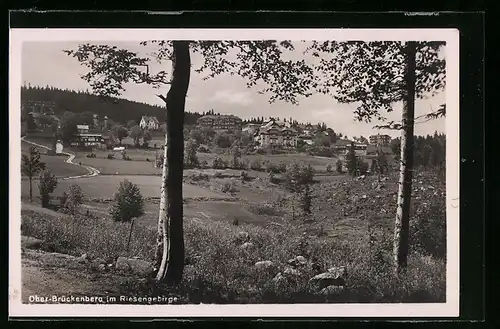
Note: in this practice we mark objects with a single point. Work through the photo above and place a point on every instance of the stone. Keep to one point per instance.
(247, 245)
(30, 242)
(263, 264)
(291, 272)
(136, 266)
(298, 261)
(331, 290)
(335, 276)
(101, 267)
(279, 279)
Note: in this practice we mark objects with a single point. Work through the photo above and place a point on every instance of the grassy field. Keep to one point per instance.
(106, 187)
(56, 164)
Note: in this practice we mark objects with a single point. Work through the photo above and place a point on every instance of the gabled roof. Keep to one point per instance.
(149, 119)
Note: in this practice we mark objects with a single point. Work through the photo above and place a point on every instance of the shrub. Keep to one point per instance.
(218, 163)
(128, 202)
(272, 178)
(428, 228)
(228, 187)
(190, 157)
(298, 175)
(204, 164)
(244, 176)
(256, 164)
(281, 167)
(73, 198)
(111, 156)
(47, 183)
(338, 166)
(329, 168)
(272, 168)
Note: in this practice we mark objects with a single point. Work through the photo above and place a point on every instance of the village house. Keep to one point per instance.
(276, 133)
(250, 128)
(221, 123)
(84, 138)
(380, 140)
(342, 146)
(149, 123)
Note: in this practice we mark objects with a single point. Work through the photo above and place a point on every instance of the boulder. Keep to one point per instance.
(247, 245)
(136, 266)
(279, 279)
(291, 272)
(264, 264)
(335, 276)
(331, 290)
(298, 261)
(30, 242)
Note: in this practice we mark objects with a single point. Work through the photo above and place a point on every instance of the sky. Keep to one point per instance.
(45, 63)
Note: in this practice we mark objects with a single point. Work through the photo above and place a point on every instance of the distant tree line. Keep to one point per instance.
(428, 151)
(120, 110)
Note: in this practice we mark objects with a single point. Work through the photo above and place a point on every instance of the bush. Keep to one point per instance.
(298, 175)
(428, 228)
(111, 156)
(128, 202)
(190, 157)
(244, 176)
(272, 178)
(47, 183)
(219, 163)
(228, 187)
(329, 168)
(256, 164)
(91, 155)
(338, 166)
(73, 198)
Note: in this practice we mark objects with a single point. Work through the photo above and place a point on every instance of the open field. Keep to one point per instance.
(106, 187)
(56, 163)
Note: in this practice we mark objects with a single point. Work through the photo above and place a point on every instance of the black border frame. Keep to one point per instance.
(472, 110)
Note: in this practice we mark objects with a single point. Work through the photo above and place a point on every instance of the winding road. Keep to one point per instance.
(92, 172)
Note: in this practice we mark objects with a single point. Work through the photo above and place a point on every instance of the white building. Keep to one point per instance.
(150, 123)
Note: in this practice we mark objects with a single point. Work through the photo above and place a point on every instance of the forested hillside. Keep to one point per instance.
(118, 109)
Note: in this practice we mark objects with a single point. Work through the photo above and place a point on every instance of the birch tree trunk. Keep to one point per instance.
(172, 260)
(162, 216)
(401, 230)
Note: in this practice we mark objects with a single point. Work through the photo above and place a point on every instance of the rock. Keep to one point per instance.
(335, 276)
(247, 245)
(137, 266)
(291, 272)
(243, 236)
(364, 196)
(263, 264)
(30, 242)
(101, 267)
(83, 258)
(298, 261)
(331, 290)
(279, 279)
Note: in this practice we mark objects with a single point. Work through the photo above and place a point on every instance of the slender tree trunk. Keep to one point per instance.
(31, 187)
(162, 238)
(172, 265)
(401, 229)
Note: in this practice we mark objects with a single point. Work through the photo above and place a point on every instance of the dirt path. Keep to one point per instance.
(91, 170)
